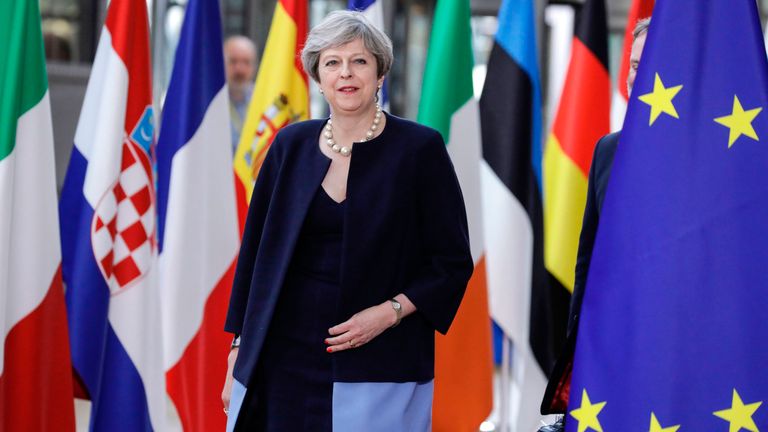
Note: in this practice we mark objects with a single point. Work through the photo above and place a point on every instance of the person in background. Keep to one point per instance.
(355, 252)
(240, 67)
(556, 396)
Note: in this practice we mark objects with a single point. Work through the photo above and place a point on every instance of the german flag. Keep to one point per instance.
(582, 118)
(280, 96)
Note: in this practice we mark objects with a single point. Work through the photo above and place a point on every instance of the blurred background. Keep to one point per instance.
(71, 31)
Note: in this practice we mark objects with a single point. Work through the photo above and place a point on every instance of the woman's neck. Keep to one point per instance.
(353, 127)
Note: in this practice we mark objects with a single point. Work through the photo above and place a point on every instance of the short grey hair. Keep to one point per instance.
(641, 27)
(340, 28)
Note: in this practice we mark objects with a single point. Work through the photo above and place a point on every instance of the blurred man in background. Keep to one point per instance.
(240, 66)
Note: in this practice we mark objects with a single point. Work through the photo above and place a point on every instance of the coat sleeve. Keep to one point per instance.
(438, 286)
(254, 225)
(586, 240)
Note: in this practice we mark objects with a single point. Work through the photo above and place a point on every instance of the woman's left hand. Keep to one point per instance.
(361, 328)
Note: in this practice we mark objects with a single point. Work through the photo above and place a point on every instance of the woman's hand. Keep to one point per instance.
(361, 328)
(227, 391)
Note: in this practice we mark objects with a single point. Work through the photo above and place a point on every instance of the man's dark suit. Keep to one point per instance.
(556, 396)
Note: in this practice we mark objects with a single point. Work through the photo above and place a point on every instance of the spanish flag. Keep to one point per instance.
(583, 117)
(280, 96)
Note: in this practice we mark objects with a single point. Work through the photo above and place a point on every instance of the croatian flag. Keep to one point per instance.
(108, 229)
(372, 9)
(198, 228)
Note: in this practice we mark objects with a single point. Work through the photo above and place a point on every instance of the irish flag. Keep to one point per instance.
(463, 365)
(35, 371)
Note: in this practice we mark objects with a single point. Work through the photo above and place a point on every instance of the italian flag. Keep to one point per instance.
(35, 369)
(463, 363)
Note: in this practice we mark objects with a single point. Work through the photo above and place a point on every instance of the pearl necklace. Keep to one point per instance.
(344, 150)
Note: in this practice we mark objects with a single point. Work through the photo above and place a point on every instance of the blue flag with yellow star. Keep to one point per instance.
(673, 333)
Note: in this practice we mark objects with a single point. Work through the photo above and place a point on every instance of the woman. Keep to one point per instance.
(355, 251)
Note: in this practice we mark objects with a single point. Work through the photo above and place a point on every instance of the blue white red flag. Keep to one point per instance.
(109, 231)
(372, 9)
(198, 228)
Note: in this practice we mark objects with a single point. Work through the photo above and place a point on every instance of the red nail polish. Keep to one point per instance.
(329, 349)
(326, 341)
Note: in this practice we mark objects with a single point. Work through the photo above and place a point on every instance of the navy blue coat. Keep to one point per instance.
(599, 174)
(405, 231)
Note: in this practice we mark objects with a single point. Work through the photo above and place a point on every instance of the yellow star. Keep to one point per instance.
(739, 415)
(587, 413)
(739, 122)
(660, 100)
(656, 427)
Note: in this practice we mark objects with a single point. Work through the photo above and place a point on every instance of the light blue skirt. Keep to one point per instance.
(371, 407)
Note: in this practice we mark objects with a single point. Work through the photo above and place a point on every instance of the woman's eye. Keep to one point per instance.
(331, 63)
(360, 61)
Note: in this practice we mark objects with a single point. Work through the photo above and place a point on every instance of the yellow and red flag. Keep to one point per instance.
(281, 94)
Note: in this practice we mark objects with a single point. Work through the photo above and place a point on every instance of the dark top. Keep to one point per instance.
(293, 381)
(555, 397)
(405, 230)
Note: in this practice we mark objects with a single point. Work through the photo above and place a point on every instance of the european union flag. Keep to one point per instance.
(674, 333)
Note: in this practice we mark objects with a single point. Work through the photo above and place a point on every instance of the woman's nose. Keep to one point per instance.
(346, 72)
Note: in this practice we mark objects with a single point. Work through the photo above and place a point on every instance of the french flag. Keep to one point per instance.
(198, 225)
(108, 228)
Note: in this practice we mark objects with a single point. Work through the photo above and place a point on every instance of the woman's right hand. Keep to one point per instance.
(227, 392)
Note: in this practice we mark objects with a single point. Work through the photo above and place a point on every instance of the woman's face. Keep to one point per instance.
(348, 78)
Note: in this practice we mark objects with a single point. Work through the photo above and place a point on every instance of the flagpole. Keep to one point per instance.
(504, 385)
(160, 72)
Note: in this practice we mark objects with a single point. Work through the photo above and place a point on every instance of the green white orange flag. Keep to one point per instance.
(281, 94)
(35, 369)
(463, 362)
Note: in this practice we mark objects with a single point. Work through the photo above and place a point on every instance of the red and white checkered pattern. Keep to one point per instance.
(123, 229)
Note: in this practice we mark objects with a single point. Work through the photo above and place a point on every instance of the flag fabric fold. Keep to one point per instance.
(677, 278)
(198, 227)
(525, 305)
(463, 359)
(35, 368)
(109, 233)
(281, 93)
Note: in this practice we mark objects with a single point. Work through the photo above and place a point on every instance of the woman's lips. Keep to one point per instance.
(348, 89)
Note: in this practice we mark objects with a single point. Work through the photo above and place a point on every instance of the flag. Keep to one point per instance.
(673, 319)
(281, 94)
(523, 302)
(35, 370)
(582, 118)
(463, 362)
(638, 10)
(373, 10)
(108, 228)
(198, 230)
